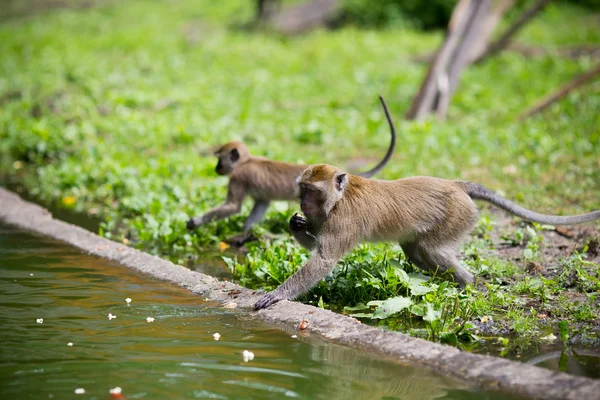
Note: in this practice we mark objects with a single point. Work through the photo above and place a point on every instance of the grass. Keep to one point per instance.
(114, 110)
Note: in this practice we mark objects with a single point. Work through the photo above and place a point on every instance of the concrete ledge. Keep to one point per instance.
(485, 371)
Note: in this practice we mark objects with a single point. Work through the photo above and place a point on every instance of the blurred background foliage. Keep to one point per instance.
(115, 107)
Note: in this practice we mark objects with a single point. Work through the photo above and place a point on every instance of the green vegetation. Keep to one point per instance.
(114, 110)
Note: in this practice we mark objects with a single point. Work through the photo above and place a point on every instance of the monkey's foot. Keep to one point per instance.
(267, 300)
(239, 241)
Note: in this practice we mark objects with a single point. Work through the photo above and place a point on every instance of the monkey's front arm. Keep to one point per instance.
(306, 277)
(330, 248)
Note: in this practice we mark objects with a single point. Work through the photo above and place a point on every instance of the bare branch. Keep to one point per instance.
(562, 92)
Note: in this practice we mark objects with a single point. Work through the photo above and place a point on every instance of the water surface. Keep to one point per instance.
(175, 356)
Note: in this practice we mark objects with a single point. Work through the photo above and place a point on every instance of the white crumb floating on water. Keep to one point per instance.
(116, 390)
(217, 336)
(110, 316)
(80, 391)
(40, 320)
(150, 319)
(247, 355)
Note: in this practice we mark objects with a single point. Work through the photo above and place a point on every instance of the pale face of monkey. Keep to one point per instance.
(227, 161)
(230, 156)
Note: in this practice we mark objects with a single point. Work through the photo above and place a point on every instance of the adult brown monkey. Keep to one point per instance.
(428, 216)
(264, 180)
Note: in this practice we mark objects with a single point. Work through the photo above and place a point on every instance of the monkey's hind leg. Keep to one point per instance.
(445, 260)
(257, 213)
(412, 253)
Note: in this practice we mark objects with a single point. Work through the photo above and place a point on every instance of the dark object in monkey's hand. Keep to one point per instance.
(298, 223)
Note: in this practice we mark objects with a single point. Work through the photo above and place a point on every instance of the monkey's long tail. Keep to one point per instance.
(479, 192)
(388, 155)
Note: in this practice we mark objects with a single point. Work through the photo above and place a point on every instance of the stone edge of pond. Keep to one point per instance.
(487, 372)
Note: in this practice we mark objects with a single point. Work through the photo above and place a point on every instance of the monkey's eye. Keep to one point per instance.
(309, 188)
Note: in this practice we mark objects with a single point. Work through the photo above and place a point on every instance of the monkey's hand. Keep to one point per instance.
(239, 241)
(298, 223)
(193, 223)
(267, 300)
(300, 230)
(190, 224)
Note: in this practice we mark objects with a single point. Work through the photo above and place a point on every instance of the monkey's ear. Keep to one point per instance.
(235, 155)
(340, 182)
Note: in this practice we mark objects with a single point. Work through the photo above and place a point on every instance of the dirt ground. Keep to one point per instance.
(557, 244)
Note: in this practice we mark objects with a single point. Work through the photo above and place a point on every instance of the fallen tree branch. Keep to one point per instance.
(562, 92)
(570, 52)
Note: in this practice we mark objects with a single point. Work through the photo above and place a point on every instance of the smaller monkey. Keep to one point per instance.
(264, 180)
(428, 216)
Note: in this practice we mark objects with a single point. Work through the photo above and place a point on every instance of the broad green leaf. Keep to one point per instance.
(392, 306)
(431, 314)
(420, 290)
(418, 309)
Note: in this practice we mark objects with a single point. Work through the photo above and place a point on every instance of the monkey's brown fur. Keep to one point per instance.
(264, 180)
(428, 216)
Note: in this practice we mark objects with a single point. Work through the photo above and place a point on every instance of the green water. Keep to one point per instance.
(175, 356)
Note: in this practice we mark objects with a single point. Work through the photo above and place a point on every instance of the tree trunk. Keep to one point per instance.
(423, 102)
(461, 58)
(505, 39)
(489, 27)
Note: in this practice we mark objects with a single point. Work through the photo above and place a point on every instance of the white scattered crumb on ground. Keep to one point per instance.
(116, 390)
(247, 355)
(150, 319)
(216, 336)
(128, 300)
(80, 391)
(110, 316)
(70, 344)
(40, 320)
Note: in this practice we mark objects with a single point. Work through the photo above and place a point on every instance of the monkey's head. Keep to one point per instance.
(321, 187)
(231, 155)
